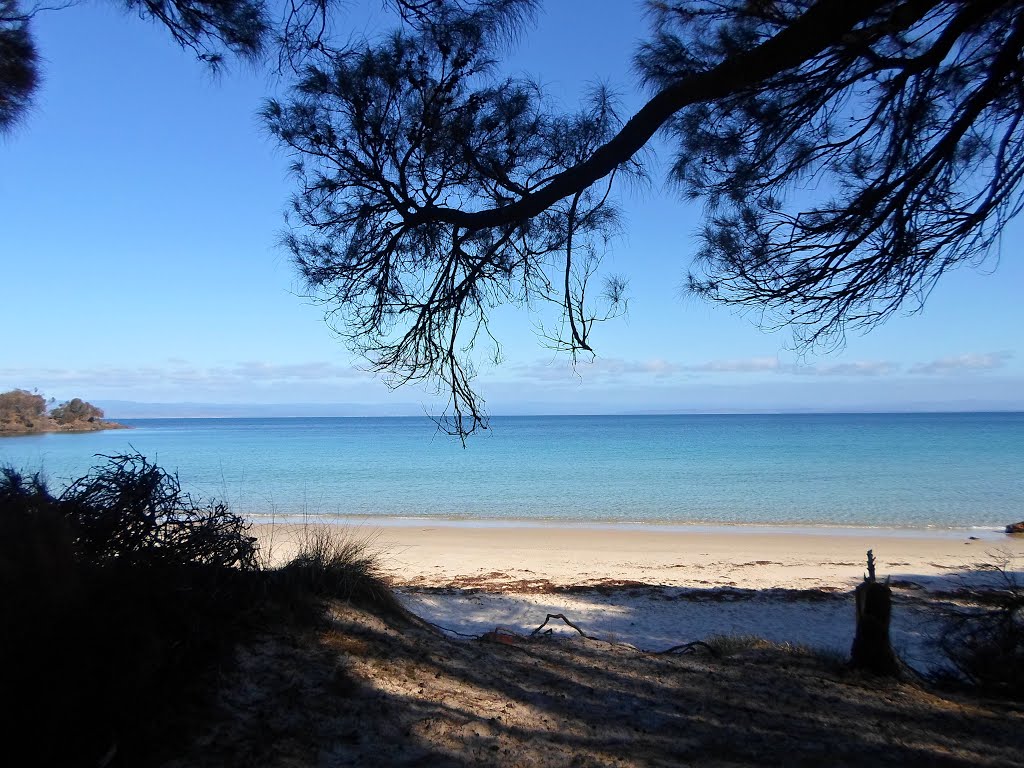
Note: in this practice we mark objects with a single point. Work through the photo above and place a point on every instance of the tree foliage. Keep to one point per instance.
(911, 121)
(74, 410)
(384, 132)
(847, 155)
(19, 63)
(24, 411)
(22, 408)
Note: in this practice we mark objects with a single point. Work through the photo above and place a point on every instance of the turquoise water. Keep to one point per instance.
(887, 470)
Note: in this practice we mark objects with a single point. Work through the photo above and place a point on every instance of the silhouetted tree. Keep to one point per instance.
(74, 410)
(19, 63)
(431, 188)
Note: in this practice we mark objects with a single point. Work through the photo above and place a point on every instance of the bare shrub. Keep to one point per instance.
(985, 643)
(130, 510)
(119, 599)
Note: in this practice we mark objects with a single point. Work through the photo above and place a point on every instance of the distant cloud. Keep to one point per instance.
(603, 370)
(860, 368)
(774, 365)
(748, 365)
(600, 368)
(968, 363)
(179, 374)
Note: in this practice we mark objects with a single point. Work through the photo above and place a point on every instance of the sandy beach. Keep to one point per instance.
(654, 587)
(525, 557)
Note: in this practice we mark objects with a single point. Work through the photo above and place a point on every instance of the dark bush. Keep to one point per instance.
(122, 597)
(985, 643)
(119, 598)
(132, 512)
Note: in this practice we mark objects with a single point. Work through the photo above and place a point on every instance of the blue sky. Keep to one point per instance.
(143, 205)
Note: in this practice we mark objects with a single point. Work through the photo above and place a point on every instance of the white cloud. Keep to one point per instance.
(967, 363)
(747, 365)
(858, 368)
(180, 375)
(606, 370)
(600, 369)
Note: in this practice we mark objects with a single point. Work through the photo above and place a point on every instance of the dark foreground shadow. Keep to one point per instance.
(362, 691)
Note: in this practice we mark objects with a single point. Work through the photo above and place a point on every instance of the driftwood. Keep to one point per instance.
(688, 648)
(872, 650)
(560, 616)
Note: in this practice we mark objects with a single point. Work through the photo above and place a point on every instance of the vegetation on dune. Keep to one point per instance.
(984, 642)
(122, 597)
(23, 412)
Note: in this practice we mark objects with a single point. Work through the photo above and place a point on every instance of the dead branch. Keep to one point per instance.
(561, 616)
(687, 648)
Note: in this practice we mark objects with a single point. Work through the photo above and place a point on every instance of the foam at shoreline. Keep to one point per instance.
(980, 531)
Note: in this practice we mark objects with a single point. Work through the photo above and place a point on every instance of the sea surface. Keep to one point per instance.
(899, 471)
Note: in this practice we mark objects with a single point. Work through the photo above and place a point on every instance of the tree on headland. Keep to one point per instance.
(847, 155)
(21, 408)
(74, 410)
(22, 411)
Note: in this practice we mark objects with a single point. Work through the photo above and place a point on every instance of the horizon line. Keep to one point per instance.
(670, 412)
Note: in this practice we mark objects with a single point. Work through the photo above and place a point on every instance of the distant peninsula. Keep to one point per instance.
(25, 413)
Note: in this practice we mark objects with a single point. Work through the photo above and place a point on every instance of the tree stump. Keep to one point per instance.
(871, 649)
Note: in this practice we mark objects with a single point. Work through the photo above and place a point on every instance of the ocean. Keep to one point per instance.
(900, 471)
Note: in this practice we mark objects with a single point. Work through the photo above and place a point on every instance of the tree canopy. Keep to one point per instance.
(21, 408)
(22, 411)
(75, 409)
(847, 155)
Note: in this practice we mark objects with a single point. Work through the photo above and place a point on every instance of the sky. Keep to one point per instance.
(140, 263)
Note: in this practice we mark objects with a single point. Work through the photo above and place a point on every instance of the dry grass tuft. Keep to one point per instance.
(332, 563)
(733, 645)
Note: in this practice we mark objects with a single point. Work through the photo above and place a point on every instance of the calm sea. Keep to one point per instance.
(887, 470)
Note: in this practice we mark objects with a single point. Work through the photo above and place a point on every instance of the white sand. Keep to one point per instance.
(755, 558)
(473, 579)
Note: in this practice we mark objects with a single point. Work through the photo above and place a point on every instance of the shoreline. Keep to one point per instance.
(62, 429)
(982, 532)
